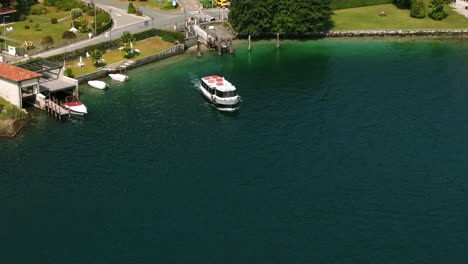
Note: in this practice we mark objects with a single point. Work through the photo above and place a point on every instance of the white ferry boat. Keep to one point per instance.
(220, 92)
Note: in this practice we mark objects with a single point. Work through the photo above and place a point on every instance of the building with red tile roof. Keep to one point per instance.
(16, 74)
(16, 83)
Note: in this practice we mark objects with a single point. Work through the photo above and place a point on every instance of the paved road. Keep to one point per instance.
(123, 22)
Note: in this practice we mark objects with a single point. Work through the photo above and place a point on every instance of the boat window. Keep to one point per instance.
(227, 94)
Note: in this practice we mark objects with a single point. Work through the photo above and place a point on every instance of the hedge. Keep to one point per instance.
(169, 36)
(342, 4)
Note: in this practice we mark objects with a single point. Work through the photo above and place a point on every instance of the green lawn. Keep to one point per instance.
(368, 18)
(147, 47)
(21, 34)
(151, 4)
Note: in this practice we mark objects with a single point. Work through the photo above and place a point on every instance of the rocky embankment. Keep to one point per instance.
(11, 127)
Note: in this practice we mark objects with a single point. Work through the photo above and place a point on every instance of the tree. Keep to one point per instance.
(418, 9)
(96, 56)
(131, 8)
(437, 6)
(280, 16)
(23, 7)
(405, 4)
(127, 37)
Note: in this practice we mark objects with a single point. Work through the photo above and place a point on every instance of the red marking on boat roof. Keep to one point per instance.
(214, 76)
(207, 78)
(219, 83)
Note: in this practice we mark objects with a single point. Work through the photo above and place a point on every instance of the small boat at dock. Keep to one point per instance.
(118, 77)
(98, 84)
(220, 92)
(74, 105)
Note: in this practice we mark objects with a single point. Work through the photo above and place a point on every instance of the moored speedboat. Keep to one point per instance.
(118, 77)
(220, 92)
(75, 106)
(98, 84)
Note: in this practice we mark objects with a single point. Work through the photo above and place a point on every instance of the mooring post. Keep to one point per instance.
(231, 48)
(277, 41)
(249, 43)
(198, 49)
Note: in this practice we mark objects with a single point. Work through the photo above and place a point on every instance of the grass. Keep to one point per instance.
(363, 18)
(151, 4)
(20, 34)
(9, 111)
(147, 47)
(3, 103)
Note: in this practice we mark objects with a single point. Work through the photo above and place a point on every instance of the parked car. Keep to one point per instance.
(223, 3)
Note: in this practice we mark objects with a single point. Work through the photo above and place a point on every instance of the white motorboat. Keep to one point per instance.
(220, 92)
(118, 77)
(98, 84)
(75, 106)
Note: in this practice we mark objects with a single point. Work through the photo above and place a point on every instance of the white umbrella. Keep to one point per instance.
(131, 47)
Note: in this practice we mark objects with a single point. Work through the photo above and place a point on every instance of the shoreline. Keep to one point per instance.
(19, 124)
(365, 33)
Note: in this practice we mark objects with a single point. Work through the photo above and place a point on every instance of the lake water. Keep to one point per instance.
(343, 151)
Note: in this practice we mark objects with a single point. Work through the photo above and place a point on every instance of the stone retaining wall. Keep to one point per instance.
(367, 33)
(174, 50)
(402, 32)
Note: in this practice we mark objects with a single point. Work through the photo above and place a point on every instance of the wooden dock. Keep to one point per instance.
(215, 35)
(55, 109)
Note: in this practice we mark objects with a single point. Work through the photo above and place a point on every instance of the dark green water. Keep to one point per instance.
(343, 151)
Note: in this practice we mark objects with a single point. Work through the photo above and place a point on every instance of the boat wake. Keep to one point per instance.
(194, 80)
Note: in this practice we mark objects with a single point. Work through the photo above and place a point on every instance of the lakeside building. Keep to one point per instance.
(463, 4)
(23, 83)
(16, 81)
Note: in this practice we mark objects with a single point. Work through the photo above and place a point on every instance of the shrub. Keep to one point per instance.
(418, 9)
(47, 41)
(37, 27)
(49, 2)
(102, 18)
(53, 20)
(68, 35)
(90, 12)
(79, 22)
(12, 112)
(36, 11)
(30, 20)
(26, 27)
(341, 4)
(69, 73)
(438, 14)
(169, 36)
(131, 8)
(22, 17)
(84, 29)
(76, 13)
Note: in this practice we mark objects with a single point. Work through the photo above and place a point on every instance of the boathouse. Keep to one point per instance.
(25, 82)
(52, 79)
(17, 83)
